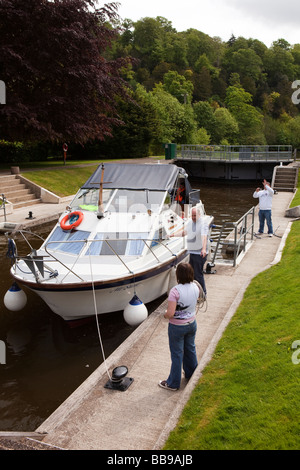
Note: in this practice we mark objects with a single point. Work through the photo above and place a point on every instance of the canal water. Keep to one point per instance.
(46, 358)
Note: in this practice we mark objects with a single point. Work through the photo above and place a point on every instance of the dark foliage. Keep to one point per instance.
(59, 85)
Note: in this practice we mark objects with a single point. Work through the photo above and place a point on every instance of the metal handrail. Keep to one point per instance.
(86, 241)
(246, 153)
(244, 230)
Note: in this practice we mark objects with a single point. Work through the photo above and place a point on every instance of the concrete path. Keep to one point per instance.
(141, 417)
(41, 213)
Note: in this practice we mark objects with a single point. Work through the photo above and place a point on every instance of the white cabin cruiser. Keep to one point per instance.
(115, 240)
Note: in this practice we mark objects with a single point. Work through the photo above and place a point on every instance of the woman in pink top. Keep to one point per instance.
(181, 313)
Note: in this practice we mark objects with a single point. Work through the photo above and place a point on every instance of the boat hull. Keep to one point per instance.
(76, 301)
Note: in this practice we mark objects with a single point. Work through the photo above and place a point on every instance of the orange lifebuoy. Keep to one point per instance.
(69, 217)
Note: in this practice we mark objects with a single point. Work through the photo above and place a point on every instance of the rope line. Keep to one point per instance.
(97, 322)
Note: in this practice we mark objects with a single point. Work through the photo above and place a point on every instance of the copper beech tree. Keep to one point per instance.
(59, 84)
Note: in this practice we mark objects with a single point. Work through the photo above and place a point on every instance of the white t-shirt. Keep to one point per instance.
(265, 198)
(185, 296)
(195, 231)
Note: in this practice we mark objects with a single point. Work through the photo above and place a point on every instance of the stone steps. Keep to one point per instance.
(285, 178)
(16, 192)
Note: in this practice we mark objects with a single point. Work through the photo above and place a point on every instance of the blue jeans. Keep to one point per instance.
(183, 352)
(265, 215)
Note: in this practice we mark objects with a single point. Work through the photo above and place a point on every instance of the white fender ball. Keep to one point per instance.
(135, 312)
(15, 299)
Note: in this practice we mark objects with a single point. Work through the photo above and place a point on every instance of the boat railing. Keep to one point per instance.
(237, 235)
(33, 258)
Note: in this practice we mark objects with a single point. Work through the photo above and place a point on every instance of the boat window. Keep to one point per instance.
(136, 201)
(88, 199)
(68, 242)
(136, 243)
(96, 245)
(159, 236)
(116, 243)
(129, 244)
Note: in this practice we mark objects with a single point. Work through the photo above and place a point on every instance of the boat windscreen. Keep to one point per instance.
(136, 201)
(88, 199)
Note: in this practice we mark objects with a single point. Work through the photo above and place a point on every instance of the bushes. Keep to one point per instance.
(17, 152)
(11, 152)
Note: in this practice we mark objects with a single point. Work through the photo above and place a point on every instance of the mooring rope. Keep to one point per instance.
(97, 322)
(202, 298)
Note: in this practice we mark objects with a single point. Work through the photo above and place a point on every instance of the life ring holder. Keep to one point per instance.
(64, 220)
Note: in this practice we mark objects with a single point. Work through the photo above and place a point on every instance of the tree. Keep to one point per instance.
(148, 40)
(178, 86)
(249, 119)
(202, 85)
(293, 131)
(279, 62)
(226, 126)
(198, 43)
(177, 123)
(204, 115)
(247, 63)
(140, 128)
(60, 86)
(200, 137)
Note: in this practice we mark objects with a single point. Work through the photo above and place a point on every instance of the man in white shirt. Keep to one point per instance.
(265, 207)
(197, 231)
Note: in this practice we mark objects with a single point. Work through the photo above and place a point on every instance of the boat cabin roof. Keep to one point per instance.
(156, 177)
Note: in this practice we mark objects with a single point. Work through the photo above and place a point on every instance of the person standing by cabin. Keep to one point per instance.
(181, 195)
(196, 230)
(181, 313)
(265, 197)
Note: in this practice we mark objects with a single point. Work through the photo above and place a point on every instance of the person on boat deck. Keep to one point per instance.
(196, 230)
(265, 197)
(181, 312)
(181, 196)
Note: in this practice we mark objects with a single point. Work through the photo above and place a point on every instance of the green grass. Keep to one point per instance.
(49, 163)
(248, 396)
(296, 200)
(64, 182)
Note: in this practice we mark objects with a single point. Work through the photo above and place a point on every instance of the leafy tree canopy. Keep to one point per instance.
(59, 84)
(178, 86)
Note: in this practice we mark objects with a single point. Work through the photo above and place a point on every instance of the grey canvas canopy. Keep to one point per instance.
(157, 177)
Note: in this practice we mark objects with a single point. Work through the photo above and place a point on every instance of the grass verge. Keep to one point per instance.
(247, 397)
(62, 182)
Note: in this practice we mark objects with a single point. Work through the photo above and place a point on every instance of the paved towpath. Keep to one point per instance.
(141, 418)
